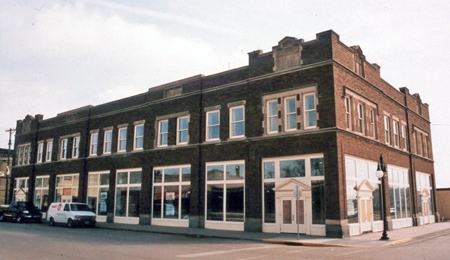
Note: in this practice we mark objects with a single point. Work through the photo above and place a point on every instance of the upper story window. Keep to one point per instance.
(237, 121)
(183, 130)
(138, 137)
(40, 152)
(213, 125)
(422, 141)
(372, 123)
(361, 114)
(387, 130)
(163, 133)
(94, 144)
(290, 110)
(23, 154)
(63, 149)
(75, 147)
(272, 116)
(395, 129)
(107, 141)
(49, 151)
(122, 140)
(348, 112)
(173, 92)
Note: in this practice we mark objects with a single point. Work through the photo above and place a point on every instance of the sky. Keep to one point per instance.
(58, 55)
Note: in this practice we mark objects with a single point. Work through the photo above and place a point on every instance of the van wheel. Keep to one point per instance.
(51, 222)
(70, 223)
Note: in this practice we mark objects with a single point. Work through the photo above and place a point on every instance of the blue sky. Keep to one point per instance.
(58, 55)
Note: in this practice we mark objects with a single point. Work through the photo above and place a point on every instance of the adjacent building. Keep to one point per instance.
(6, 158)
(292, 138)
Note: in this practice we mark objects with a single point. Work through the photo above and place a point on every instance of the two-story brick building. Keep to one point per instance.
(226, 151)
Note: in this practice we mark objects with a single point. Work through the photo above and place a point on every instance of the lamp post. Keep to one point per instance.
(381, 174)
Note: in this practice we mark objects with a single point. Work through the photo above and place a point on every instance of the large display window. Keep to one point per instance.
(98, 187)
(128, 194)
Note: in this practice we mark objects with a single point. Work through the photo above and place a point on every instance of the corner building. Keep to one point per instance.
(228, 151)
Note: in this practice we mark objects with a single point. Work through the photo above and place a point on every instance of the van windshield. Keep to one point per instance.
(79, 207)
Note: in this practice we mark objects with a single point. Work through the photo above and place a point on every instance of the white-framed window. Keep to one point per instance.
(98, 187)
(404, 143)
(213, 125)
(361, 118)
(138, 137)
(225, 195)
(41, 188)
(122, 140)
(20, 189)
(183, 130)
(290, 114)
(399, 192)
(49, 151)
(66, 188)
(94, 144)
(40, 152)
(272, 115)
(163, 133)
(372, 123)
(23, 154)
(348, 112)
(107, 141)
(396, 134)
(128, 193)
(63, 149)
(310, 110)
(387, 130)
(75, 147)
(171, 192)
(237, 121)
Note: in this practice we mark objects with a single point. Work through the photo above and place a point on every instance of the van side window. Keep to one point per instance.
(66, 207)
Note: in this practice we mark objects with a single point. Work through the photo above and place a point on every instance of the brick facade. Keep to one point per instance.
(323, 71)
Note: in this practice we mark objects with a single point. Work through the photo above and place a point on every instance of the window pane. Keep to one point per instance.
(186, 174)
(157, 176)
(133, 203)
(269, 202)
(172, 175)
(269, 170)
(317, 167)
(121, 202)
(214, 132)
(215, 172)
(214, 203)
(235, 172)
(238, 129)
(135, 177)
(376, 203)
(318, 202)
(171, 200)
(102, 206)
(185, 201)
(235, 202)
(122, 178)
(213, 118)
(352, 202)
(104, 179)
(294, 168)
(93, 180)
(157, 202)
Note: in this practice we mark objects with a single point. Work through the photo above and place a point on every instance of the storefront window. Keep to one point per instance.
(225, 192)
(269, 202)
(171, 195)
(41, 192)
(67, 188)
(98, 187)
(128, 193)
(293, 168)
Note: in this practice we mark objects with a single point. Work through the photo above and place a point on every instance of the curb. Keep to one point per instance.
(302, 243)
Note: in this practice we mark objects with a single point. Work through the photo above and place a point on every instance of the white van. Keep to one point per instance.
(70, 213)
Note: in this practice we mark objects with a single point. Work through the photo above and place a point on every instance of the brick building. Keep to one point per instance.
(6, 157)
(226, 151)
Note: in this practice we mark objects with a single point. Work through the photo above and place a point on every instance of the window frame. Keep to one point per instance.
(361, 119)
(233, 123)
(122, 133)
(182, 131)
(163, 136)
(49, 151)
(93, 146)
(75, 146)
(395, 131)
(107, 142)
(272, 117)
(137, 138)
(387, 129)
(209, 126)
(307, 111)
(63, 148)
(40, 152)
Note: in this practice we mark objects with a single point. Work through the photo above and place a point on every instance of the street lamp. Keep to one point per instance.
(381, 174)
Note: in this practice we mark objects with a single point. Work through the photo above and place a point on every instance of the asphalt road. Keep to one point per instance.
(39, 241)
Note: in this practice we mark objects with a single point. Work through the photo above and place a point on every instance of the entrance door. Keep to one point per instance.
(292, 212)
(366, 213)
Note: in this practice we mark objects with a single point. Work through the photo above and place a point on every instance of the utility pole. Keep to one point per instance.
(8, 167)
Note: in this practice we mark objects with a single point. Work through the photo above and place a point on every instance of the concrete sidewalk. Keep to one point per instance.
(397, 236)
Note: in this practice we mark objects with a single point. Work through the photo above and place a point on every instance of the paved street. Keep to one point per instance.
(39, 241)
